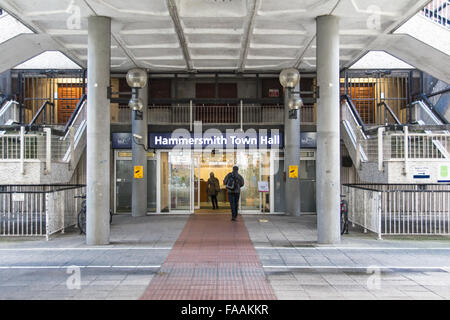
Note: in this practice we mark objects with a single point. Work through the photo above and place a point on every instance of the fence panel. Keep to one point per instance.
(409, 209)
(37, 210)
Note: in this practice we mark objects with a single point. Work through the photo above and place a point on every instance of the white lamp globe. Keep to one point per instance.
(136, 104)
(295, 103)
(137, 78)
(289, 78)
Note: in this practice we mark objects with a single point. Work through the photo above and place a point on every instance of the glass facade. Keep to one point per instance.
(177, 180)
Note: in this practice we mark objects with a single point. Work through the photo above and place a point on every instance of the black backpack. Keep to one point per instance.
(231, 182)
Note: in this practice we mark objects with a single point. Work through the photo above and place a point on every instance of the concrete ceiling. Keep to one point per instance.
(234, 35)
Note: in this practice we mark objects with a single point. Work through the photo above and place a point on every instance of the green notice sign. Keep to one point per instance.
(444, 171)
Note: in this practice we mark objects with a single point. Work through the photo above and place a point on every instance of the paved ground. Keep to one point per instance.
(293, 264)
(213, 259)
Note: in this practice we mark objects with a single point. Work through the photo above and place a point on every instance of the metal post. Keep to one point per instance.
(190, 115)
(98, 131)
(48, 150)
(358, 153)
(139, 158)
(242, 116)
(72, 147)
(292, 158)
(22, 149)
(380, 148)
(406, 147)
(328, 135)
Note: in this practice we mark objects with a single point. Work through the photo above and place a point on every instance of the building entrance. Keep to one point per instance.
(177, 180)
(205, 164)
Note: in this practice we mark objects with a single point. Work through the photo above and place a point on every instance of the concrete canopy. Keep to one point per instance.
(196, 35)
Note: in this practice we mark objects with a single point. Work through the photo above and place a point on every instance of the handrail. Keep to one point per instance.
(438, 92)
(354, 111)
(430, 105)
(397, 121)
(74, 113)
(41, 109)
(3, 98)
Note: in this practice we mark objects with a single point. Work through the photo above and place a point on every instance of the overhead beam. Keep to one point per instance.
(22, 48)
(247, 34)
(423, 57)
(179, 30)
(13, 10)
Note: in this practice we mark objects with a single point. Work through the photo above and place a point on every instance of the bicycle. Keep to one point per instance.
(81, 218)
(344, 215)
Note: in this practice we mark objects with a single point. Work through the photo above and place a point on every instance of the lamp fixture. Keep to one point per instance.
(136, 104)
(295, 103)
(289, 78)
(137, 78)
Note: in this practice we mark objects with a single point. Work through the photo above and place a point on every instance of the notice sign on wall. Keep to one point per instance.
(421, 173)
(263, 186)
(274, 93)
(293, 172)
(138, 172)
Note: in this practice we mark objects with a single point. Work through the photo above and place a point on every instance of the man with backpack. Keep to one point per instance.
(234, 182)
(213, 189)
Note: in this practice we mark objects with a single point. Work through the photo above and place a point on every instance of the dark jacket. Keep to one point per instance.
(213, 186)
(239, 182)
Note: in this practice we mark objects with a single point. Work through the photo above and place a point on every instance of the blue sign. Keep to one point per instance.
(121, 140)
(223, 140)
(229, 140)
(308, 140)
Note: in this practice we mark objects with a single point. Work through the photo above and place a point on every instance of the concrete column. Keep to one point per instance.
(291, 157)
(139, 189)
(328, 139)
(98, 131)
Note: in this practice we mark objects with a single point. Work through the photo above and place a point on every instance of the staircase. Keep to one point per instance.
(396, 152)
(47, 155)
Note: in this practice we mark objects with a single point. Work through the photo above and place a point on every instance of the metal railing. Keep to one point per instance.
(416, 146)
(429, 108)
(385, 115)
(354, 126)
(38, 210)
(367, 89)
(380, 144)
(9, 113)
(400, 209)
(438, 12)
(43, 145)
(231, 114)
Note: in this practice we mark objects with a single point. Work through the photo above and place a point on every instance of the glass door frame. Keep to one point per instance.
(129, 157)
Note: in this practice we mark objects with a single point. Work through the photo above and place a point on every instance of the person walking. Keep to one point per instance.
(234, 182)
(213, 189)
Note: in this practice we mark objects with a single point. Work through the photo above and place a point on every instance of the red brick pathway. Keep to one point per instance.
(213, 258)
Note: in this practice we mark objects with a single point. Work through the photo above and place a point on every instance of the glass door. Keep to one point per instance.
(123, 185)
(196, 179)
(249, 163)
(180, 180)
(151, 183)
(308, 181)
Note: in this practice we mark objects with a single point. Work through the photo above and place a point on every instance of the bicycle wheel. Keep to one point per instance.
(82, 221)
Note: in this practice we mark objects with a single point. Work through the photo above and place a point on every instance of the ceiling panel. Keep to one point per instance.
(213, 34)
